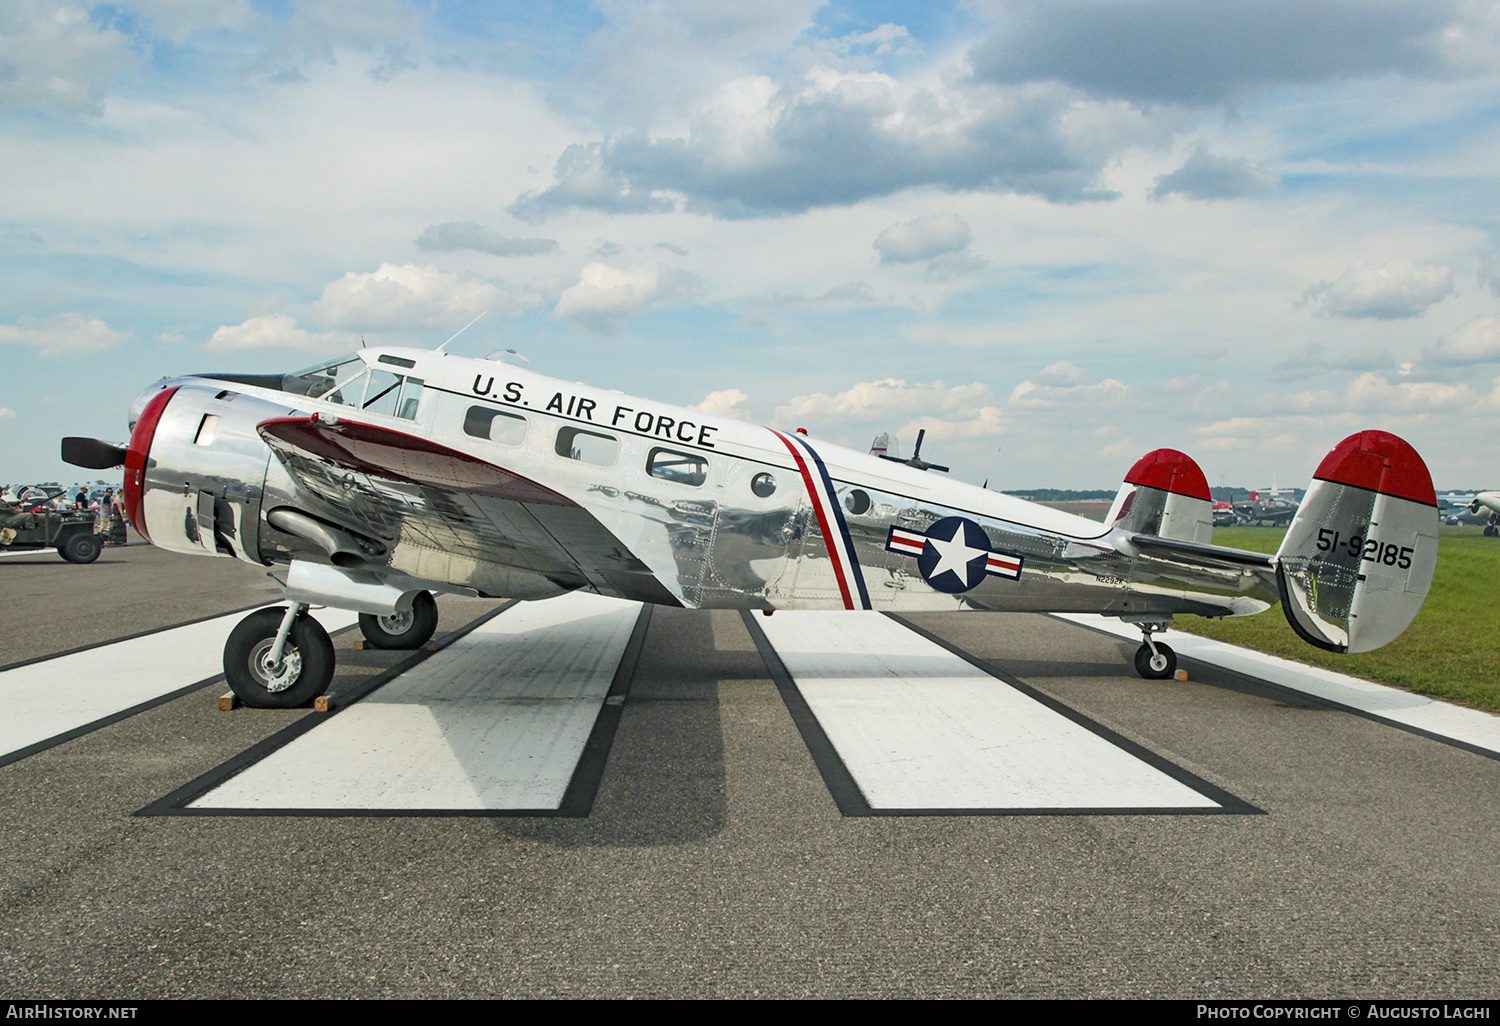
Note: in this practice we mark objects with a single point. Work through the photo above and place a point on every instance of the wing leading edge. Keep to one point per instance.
(447, 515)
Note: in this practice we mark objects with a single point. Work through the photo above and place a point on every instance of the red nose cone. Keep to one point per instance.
(135, 459)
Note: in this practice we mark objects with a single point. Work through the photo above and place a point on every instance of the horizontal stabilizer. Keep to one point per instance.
(1205, 555)
(1356, 564)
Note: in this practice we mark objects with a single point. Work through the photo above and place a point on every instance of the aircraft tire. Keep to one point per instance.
(308, 660)
(404, 630)
(81, 548)
(1160, 668)
(1489, 530)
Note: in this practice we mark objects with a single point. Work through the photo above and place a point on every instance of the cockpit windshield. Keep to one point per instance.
(317, 381)
(349, 381)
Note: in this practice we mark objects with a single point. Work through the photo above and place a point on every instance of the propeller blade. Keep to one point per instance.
(92, 454)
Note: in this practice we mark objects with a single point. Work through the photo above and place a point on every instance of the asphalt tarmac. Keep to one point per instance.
(712, 853)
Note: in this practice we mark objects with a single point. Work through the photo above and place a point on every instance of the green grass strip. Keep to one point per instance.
(1450, 651)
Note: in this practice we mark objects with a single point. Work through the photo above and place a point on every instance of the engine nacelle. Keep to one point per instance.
(195, 471)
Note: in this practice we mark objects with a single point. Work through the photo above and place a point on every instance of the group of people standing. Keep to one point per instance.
(111, 522)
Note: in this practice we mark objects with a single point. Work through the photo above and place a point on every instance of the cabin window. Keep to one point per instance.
(857, 501)
(681, 467)
(587, 446)
(496, 425)
(763, 485)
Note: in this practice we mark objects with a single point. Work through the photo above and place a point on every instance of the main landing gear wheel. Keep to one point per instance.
(81, 548)
(303, 673)
(1158, 665)
(411, 629)
(1490, 531)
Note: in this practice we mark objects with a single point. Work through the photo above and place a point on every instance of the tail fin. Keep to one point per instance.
(1165, 494)
(1355, 565)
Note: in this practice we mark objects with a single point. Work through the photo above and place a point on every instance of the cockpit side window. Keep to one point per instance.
(411, 397)
(382, 393)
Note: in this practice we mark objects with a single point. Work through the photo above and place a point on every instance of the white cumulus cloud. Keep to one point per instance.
(53, 56)
(923, 238)
(1374, 393)
(869, 407)
(273, 331)
(1478, 341)
(1401, 288)
(405, 296)
(763, 148)
(1208, 177)
(728, 402)
(605, 297)
(1062, 384)
(62, 334)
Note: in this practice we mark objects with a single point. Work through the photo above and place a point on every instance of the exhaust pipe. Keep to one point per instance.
(342, 548)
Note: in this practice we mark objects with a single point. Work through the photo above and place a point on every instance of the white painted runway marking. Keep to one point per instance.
(42, 700)
(497, 720)
(1470, 726)
(919, 728)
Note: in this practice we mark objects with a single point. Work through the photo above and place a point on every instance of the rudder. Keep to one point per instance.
(1357, 562)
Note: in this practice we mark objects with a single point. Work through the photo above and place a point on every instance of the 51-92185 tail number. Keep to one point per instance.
(1368, 549)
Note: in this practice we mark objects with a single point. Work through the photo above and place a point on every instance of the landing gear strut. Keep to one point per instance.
(278, 658)
(1154, 660)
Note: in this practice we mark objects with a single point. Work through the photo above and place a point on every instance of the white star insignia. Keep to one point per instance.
(954, 555)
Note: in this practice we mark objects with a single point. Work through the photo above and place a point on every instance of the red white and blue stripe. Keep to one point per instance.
(830, 514)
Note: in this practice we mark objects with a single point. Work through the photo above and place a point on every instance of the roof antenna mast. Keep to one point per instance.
(460, 331)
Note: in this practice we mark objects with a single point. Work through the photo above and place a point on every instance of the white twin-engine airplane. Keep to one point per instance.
(381, 477)
(1490, 503)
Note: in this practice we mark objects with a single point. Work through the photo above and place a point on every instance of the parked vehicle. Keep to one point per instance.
(72, 533)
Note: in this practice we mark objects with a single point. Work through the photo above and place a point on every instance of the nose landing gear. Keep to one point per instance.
(278, 658)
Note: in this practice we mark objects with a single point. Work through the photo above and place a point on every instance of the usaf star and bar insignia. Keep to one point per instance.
(953, 555)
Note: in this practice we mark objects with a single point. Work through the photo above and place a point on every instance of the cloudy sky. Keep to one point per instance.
(1054, 233)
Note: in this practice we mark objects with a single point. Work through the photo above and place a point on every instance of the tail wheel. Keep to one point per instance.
(305, 670)
(1158, 665)
(411, 629)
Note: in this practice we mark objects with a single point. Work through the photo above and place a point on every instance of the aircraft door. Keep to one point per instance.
(757, 531)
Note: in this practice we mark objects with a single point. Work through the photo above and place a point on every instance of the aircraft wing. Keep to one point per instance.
(438, 509)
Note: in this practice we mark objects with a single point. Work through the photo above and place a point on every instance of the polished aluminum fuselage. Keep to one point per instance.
(716, 538)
